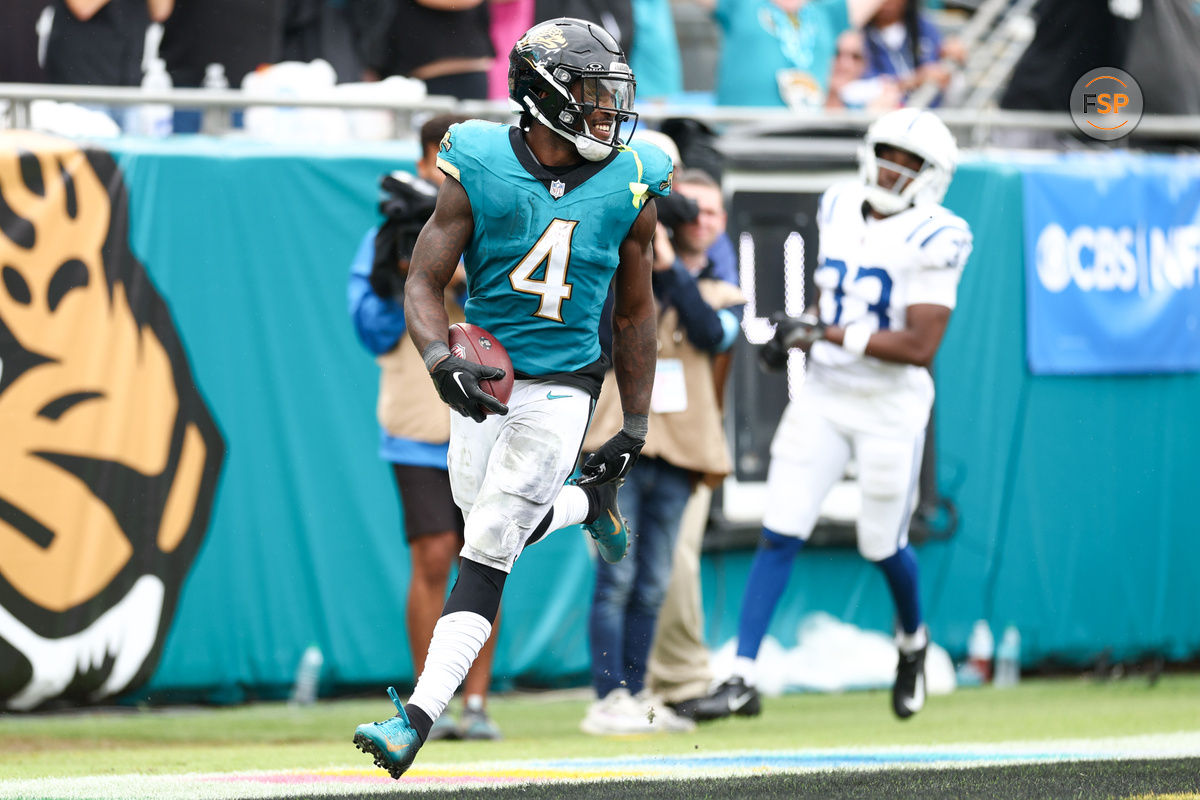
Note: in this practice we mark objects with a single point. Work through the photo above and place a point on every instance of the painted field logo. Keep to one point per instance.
(109, 456)
(1106, 103)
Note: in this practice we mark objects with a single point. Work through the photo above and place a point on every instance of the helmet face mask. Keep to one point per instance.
(914, 132)
(571, 76)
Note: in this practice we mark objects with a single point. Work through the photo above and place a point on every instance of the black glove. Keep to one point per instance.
(612, 461)
(675, 209)
(407, 203)
(457, 381)
(801, 331)
(773, 356)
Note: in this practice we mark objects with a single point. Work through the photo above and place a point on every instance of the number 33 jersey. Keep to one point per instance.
(545, 245)
(869, 271)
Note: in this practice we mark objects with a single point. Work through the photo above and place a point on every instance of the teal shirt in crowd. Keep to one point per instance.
(759, 40)
(655, 58)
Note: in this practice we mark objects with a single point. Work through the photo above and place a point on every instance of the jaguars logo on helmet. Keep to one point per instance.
(564, 71)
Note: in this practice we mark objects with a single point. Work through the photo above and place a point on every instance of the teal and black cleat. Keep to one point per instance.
(609, 530)
(393, 743)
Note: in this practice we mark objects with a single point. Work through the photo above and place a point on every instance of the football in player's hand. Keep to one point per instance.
(473, 343)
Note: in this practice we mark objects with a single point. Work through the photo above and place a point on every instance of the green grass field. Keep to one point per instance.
(273, 736)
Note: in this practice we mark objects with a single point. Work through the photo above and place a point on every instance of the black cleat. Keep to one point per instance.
(609, 530)
(908, 692)
(733, 696)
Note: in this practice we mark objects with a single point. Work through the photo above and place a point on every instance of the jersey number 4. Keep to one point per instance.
(553, 249)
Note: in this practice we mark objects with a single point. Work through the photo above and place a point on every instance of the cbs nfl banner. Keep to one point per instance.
(1112, 254)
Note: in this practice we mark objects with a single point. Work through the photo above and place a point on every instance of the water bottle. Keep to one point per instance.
(155, 119)
(308, 676)
(979, 650)
(1008, 658)
(215, 121)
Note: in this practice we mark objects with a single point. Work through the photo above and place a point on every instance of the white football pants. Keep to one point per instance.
(821, 430)
(506, 471)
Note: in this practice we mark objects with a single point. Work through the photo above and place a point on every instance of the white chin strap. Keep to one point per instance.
(591, 149)
(885, 202)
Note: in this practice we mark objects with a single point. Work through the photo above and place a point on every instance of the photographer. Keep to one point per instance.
(414, 422)
(699, 321)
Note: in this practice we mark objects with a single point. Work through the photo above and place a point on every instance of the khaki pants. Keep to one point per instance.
(678, 668)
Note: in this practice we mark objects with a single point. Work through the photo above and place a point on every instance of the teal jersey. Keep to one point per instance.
(545, 246)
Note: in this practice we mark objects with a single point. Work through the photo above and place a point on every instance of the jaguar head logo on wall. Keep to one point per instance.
(109, 457)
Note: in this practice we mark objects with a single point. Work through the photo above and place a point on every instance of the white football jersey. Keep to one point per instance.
(871, 270)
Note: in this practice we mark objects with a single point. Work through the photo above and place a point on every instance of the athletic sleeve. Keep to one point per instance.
(942, 255)
(466, 145)
(378, 323)
(655, 167)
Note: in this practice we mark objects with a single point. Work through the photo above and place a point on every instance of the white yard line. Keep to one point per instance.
(358, 780)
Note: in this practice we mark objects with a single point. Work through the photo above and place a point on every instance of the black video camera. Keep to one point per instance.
(675, 209)
(407, 203)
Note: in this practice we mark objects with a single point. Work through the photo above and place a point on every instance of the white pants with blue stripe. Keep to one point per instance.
(822, 431)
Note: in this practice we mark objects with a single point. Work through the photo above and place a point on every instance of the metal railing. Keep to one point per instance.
(768, 127)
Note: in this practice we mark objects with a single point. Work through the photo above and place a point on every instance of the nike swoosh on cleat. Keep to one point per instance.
(394, 748)
(736, 703)
(616, 524)
(917, 701)
(552, 396)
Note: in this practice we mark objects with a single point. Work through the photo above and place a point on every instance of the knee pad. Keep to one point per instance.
(877, 546)
(885, 472)
(530, 464)
(497, 527)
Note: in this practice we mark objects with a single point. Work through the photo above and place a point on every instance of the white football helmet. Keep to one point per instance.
(917, 132)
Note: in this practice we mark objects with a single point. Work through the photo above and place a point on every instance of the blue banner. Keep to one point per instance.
(1112, 255)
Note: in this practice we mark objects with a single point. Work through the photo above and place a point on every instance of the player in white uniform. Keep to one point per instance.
(890, 261)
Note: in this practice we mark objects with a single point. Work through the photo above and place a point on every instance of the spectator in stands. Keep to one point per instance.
(848, 86)
(100, 42)
(1072, 37)
(19, 42)
(903, 43)
(243, 36)
(509, 19)
(655, 55)
(616, 16)
(780, 52)
(699, 318)
(1164, 56)
(445, 43)
(238, 35)
(415, 425)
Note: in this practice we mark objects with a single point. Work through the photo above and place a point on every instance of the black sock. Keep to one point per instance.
(477, 589)
(419, 720)
(598, 500)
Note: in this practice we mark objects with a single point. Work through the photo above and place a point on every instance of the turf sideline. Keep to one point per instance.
(435, 777)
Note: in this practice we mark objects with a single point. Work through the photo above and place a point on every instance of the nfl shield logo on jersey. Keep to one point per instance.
(557, 189)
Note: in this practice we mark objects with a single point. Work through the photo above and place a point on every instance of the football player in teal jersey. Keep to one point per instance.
(546, 216)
